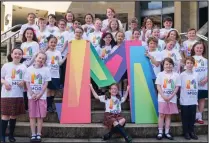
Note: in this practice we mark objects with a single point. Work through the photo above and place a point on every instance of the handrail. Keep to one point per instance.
(198, 35)
(16, 26)
(10, 36)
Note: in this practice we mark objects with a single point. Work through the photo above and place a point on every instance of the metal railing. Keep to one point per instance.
(198, 35)
(11, 39)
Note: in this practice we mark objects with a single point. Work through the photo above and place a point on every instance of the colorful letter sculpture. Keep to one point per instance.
(82, 61)
(116, 63)
(143, 98)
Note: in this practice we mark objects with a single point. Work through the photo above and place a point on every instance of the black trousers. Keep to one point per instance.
(188, 115)
(62, 72)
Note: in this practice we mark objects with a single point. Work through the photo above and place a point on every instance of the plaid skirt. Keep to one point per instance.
(110, 118)
(12, 106)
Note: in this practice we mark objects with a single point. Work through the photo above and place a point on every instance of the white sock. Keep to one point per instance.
(166, 131)
(200, 116)
(160, 130)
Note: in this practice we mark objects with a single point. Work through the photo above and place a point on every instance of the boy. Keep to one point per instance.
(167, 22)
(134, 24)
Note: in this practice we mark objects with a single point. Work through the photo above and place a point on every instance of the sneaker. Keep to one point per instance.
(38, 137)
(193, 136)
(159, 136)
(187, 137)
(33, 138)
(200, 121)
(169, 136)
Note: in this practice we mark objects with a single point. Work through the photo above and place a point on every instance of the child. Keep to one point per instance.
(69, 17)
(110, 13)
(188, 99)
(42, 34)
(12, 103)
(77, 24)
(88, 26)
(134, 24)
(136, 36)
(106, 44)
(62, 46)
(168, 83)
(167, 23)
(36, 78)
(174, 35)
(51, 25)
(54, 60)
(113, 27)
(112, 117)
(153, 54)
(120, 36)
(31, 23)
(187, 45)
(95, 36)
(146, 29)
(156, 33)
(169, 52)
(200, 67)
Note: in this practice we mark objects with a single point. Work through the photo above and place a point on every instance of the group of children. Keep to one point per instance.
(37, 69)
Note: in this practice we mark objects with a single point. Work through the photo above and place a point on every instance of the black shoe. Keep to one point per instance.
(159, 136)
(107, 136)
(193, 136)
(169, 136)
(3, 140)
(121, 130)
(12, 139)
(187, 137)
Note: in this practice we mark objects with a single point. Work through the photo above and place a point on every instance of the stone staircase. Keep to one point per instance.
(53, 129)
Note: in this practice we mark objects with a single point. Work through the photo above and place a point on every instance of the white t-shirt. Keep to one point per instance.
(95, 38)
(189, 88)
(161, 45)
(13, 74)
(90, 27)
(24, 26)
(42, 38)
(187, 46)
(157, 56)
(104, 52)
(168, 82)
(52, 29)
(201, 68)
(112, 105)
(105, 24)
(37, 77)
(163, 31)
(175, 56)
(62, 37)
(128, 35)
(72, 37)
(177, 47)
(70, 28)
(30, 49)
(147, 35)
(53, 59)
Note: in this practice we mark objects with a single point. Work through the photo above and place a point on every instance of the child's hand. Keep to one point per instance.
(165, 98)
(7, 85)
(33, 96)
(203, 82)
(128, 87)
(21, 84)
(90, 85)
(38, 96)
(144, 30)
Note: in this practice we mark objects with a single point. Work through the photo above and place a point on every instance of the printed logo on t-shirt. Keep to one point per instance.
(104, 53)
(200, 62)
(116, 104)
(51, 31)
(168, 87)
(28, 50)
(61, 38)
(96, 39)
(36, 82)
(15, 73)
(54, 60)
(173, 55)
(191, 87)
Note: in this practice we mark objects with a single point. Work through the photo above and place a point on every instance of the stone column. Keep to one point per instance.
(194, 9)
(177, 15)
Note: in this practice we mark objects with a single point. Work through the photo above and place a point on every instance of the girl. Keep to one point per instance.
(200, 67)
(120, 36)
(77, 24)
(169, 52)
(12, 103)
(106, 44)
(187, 45)
(54, 60)
(36, 78)
(156, 33)
(174, 35)
(136, 36)
(146, 29)
(168, 83)
(51, 25)
(133, 25)
(69, 17)
(113, 27)
(153, 54)
(95, 36)
(188, 99)
(42, 34)
(88, 26)
(110, 13)
(112, 117)
(31, 23)
(62, 46)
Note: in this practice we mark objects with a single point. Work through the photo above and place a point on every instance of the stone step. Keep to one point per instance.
(98, 117)
(96, 130)
(201, 138)
(97, 105)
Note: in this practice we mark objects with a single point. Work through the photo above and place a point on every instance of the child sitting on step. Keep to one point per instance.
(112, 116)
